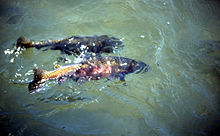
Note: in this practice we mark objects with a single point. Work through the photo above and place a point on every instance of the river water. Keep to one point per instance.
(178, 96)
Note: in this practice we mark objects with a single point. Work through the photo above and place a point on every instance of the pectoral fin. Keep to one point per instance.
(121, 76)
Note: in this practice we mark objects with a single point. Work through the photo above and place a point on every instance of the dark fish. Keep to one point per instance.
(92, 68)
(76, 45)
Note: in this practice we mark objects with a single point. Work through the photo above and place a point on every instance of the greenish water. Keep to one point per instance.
(178, 96)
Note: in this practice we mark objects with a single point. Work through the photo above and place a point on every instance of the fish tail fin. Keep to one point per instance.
(38, 81)
(142, 67)
(24, 42)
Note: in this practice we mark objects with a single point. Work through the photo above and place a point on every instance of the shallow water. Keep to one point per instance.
(178, 96)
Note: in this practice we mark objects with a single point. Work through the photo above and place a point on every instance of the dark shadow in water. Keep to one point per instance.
(21, 124)
(210, 50)
(9, 13)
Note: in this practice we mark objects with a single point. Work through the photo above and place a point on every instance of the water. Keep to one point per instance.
(178, 96)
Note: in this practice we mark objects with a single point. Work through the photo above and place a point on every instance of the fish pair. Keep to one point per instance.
(90, 68)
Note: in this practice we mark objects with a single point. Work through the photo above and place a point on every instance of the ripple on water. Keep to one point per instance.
(177, 96)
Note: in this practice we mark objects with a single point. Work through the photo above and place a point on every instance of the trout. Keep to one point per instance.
(75, 45)
(91, 68)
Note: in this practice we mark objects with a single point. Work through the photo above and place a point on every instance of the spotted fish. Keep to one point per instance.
(91, 68)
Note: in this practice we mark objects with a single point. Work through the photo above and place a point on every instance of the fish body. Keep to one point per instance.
(92, 68)
(75, 45)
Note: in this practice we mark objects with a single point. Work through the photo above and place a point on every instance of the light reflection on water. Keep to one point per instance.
(177, 96)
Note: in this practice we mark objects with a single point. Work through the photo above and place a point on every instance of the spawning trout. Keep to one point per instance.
(75, 45)
(92, 68)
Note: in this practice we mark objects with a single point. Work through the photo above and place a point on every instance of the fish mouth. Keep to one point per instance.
(141, 67)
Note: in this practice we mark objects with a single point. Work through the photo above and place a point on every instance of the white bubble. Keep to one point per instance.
(108, 62)
(19, 48)
(123, 64)
(8, 51)
(122, 39)
(82, 47)
(67, 60)
(17, 75)
(55, 62)
(29, 72)
(142, 36)
(12, 60)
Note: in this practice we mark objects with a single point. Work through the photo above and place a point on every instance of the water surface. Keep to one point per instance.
(178, 96)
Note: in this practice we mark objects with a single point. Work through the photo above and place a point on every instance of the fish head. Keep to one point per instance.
(111, 45)
(130, 66)
(127, 66)
(141, 67)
